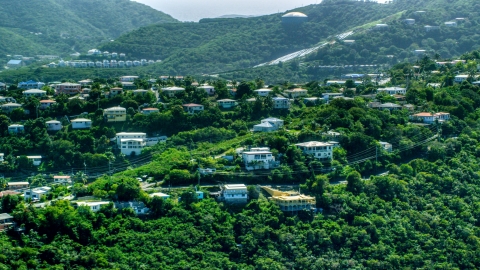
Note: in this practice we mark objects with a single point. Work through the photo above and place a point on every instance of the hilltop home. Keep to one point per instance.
(320, 150)
(30, 85)
(115, 114)
(172, 91)
(461, 78)
(7, 99)
(393, 90)
(192, 108)
(387, 146)
(81, 123)
(36, 160)
(128, 85)
(34, 93)
(138, 207)
(17, 185)
(429, 118)
(131, 142)
(268, 125)
(53, 125)
(114, 92)
(68, 88)
(44, 104)
(234, 193)
(296, 93)
(259, 159)
(85, 82)
(62, 179)
(264, 92)
(36, 193)
(385, 106)
(16, 128)
(210, 90)
(128, 78)
(281, 103)
(6, 221)
(226, 103)
(150, 110)
(9, 107)
(290, 201)
(94, 206)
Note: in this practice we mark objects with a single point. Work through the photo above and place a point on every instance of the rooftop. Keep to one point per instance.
(313, 144)
(295, 14)
(235, 186)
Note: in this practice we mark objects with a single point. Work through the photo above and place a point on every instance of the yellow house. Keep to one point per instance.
(290, 200)
(115, 114)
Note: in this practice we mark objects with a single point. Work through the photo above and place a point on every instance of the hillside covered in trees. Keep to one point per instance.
(66, 26)
(214, 45)
(413, 207)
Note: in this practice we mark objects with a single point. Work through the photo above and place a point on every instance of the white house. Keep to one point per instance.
(192, 108)
(128, 78)
(16, 128)
(264, 127)
(44, 104)
(387, 146)
(30, 85)
(264, 92)
(6, 99)
(226, 103)
(451, 24)
(393, 90)
(329, 96)
(94, 206)
(236, 193)
(81, 123)
(320, 150)
(210, 90)
(268, 125)
(281, 103)
(53, 125)
(9, 107)
(278, 123)
(36, 193)
(36, 160)
(2, 156)
(34, 93)
(259, 159)
(131, 142)
(62, 179)
(172, 91)
(461, 78)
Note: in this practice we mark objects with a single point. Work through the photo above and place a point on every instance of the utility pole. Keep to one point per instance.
(376, 157)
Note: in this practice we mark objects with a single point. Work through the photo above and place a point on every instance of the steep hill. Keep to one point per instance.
(215, 45)
(62, 26)
(377, 50)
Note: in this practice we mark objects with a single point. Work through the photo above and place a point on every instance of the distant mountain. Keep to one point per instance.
(65, 26)
(437, 29)
(217, 45)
